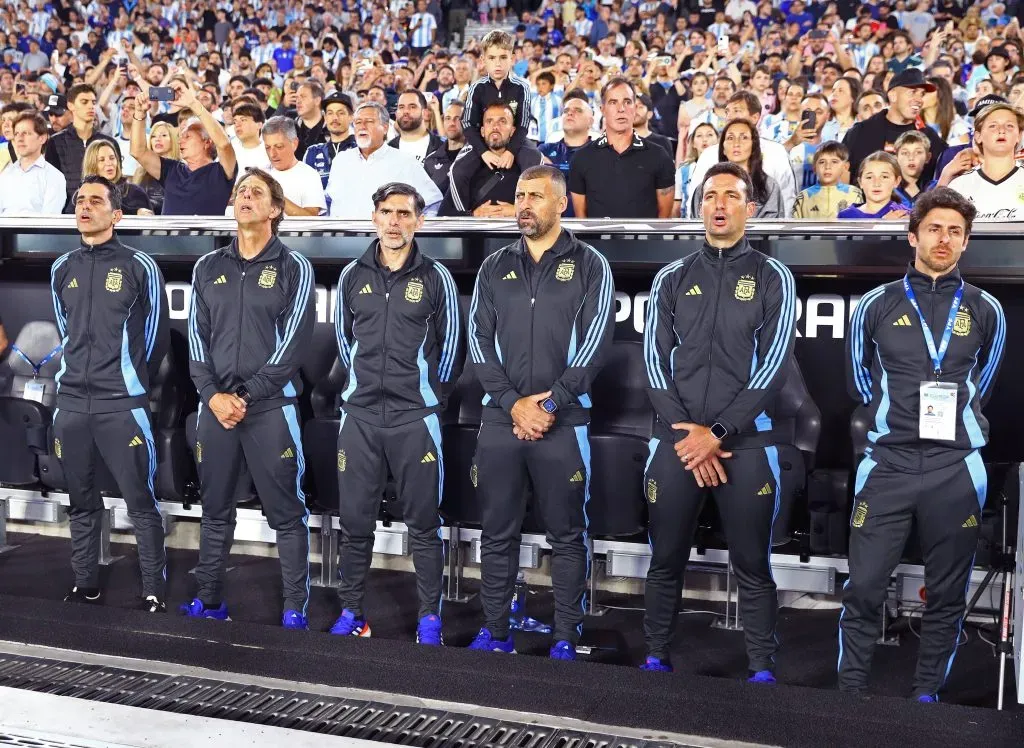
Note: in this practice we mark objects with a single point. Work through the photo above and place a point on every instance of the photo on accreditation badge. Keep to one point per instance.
(476, 372)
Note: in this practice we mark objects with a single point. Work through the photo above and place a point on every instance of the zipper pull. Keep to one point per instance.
(387, 295)
(533, 301)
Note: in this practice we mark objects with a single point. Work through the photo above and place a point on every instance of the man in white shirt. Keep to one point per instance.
(31, 185)
(358, 172)
(774, 157)
(413, 136)
(303, 191)
(250, 152)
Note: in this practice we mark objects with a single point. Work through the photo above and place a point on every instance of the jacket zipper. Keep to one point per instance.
(88, 326)
(711, 338)
(531, 289)
(241, 307)
(384, 344)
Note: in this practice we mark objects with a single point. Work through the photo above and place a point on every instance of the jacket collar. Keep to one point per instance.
(564, 244)
(112, 243)
(272, 251)
(369, 257)
(948, 282)
(737, 250)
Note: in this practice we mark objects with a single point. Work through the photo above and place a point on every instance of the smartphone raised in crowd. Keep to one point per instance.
(811, 118)
(723, 45)
(161, 93)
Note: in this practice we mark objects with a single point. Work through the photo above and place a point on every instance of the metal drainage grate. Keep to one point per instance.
(296, 710)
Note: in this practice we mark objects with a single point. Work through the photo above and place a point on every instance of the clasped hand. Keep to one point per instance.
(228, 409)
(701, 453)
(530, 420)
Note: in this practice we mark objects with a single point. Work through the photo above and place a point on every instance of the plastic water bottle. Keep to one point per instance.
(518, 612)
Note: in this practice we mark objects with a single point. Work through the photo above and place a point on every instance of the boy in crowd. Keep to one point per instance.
(248, 119)
(833, 192)
(878, 177)
(912, 153)
(496, 86)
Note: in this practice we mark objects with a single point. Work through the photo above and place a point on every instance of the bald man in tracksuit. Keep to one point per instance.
(718, 338)
(250, 324)
(922, 465)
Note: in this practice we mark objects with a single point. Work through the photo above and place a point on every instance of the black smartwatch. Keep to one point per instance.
(549, 405)
(719, 431)
(242, 393)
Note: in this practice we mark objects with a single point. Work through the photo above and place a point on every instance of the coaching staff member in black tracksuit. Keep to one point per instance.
(541, 321)
(109, 303)
(923, 354)
(719, 334)
(399, 335)
(250, 321)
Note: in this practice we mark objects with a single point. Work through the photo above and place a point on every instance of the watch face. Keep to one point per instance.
(549, 405)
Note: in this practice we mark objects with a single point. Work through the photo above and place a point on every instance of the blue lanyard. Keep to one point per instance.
(947, 333)
(36, 367)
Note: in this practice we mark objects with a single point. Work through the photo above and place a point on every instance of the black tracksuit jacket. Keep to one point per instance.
(535, 327)
(110, 309)
(719, 333)
(515, 91)
(400, 337)
(887, 360)
(251, 322)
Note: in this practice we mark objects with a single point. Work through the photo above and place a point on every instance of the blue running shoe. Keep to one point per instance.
(348, 625)
(762, 676)
(487, 643)
(428, 631)
(293, 619)
(563, 650)
(928, 698)
(196, 609)
(654, 664)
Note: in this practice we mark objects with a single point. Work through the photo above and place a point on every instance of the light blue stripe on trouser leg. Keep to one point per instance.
(292, 419)
(583, 441)
(434, 428)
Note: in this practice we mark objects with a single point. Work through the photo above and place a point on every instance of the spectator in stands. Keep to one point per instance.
(575, 125)
(497, 85)
(704, 137)
(250, 152)
(310, 121)
(996, 187)
(843, 103)
(869, 104)
(120, 129)
(197, 184)
(879, 132)
(338, 118)
(101, 160)
(463, 68)
(439, 163)
(547, 108)
(303, 191)
(619, 175)
(422, 28)
(358, 172)
(832, 193)
(8, 115)
(715, 114)
(801, 155)
(642, 124)
(878, 178)
(56, 111)
(939, 113)
(414, 137)
(491, 192)
(775, 158)
(67, 148)
(31, 185)
(163, 141)
(741, 145)
(911, 154)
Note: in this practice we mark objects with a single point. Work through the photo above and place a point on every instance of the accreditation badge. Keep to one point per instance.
(34, 391)
(938, 411)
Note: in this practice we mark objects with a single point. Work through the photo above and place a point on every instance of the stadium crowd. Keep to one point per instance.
(834, 109)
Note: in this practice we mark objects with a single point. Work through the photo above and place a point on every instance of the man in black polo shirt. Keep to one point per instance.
(620, 175)
(492, 191)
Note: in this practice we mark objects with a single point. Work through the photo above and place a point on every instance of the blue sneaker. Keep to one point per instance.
(348, 625)
(487, 643)
(293, 619)
(928, 698)
(563, 650)
(428, 631)
(762, 676)
(196, 609)
(654, 664)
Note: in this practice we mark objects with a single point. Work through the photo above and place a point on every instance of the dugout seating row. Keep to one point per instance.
(620, 430)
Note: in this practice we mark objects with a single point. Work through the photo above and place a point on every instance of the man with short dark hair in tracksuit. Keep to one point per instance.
(922, 354)
(718, 337)
(250, 324)
(397, 319)
(539, 329)
(109, 302)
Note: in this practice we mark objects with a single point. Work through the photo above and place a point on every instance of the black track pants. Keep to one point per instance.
(413, 452)
(946, 504)
(558, 468)
(124, 441)
(747, 504)
(268, 447)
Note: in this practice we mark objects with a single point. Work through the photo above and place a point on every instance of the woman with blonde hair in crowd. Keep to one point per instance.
(101, 160)
(704, 136)
(163, 140)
